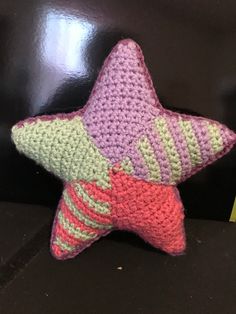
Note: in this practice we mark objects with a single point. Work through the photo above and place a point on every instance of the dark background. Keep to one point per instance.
(50, 56)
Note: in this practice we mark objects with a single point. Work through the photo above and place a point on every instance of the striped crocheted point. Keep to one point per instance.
(198, 142)
(127, 122)
(83, 217)
(181, 146)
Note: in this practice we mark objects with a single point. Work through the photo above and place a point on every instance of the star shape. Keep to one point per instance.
(120, 158)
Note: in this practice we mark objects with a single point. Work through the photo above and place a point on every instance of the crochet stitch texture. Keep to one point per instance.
(121, 157)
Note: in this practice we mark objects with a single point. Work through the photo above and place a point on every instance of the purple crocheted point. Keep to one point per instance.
(126, 120)
(122, 102)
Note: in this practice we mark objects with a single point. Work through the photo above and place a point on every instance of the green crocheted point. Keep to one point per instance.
(81, 216)
(192, 142)
(85, 160)
(149, 158)
(170, 148)
(127, 166)
(64, 148)
(215, 137)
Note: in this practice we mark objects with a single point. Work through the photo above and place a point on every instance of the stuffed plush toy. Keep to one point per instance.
(120, 158)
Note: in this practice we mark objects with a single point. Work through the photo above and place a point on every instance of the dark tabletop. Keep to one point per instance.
(118, 274)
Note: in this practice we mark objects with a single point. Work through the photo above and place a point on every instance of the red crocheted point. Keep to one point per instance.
(152, 211)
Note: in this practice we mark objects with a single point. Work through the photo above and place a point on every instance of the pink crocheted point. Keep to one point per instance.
(154, 212)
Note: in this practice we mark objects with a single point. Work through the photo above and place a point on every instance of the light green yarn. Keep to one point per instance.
(192, 142)
(64, 148)
(83, 218)
(72, 230)
(170, 148)
(127, 166)
(215, 137)
(64, 246)
(150, 160)
(98, 206)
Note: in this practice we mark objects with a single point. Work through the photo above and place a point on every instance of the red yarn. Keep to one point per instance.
(154, 212)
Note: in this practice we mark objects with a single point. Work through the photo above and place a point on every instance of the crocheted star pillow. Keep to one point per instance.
(120, 158)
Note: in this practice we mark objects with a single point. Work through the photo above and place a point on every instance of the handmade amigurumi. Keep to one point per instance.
(120, 158)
